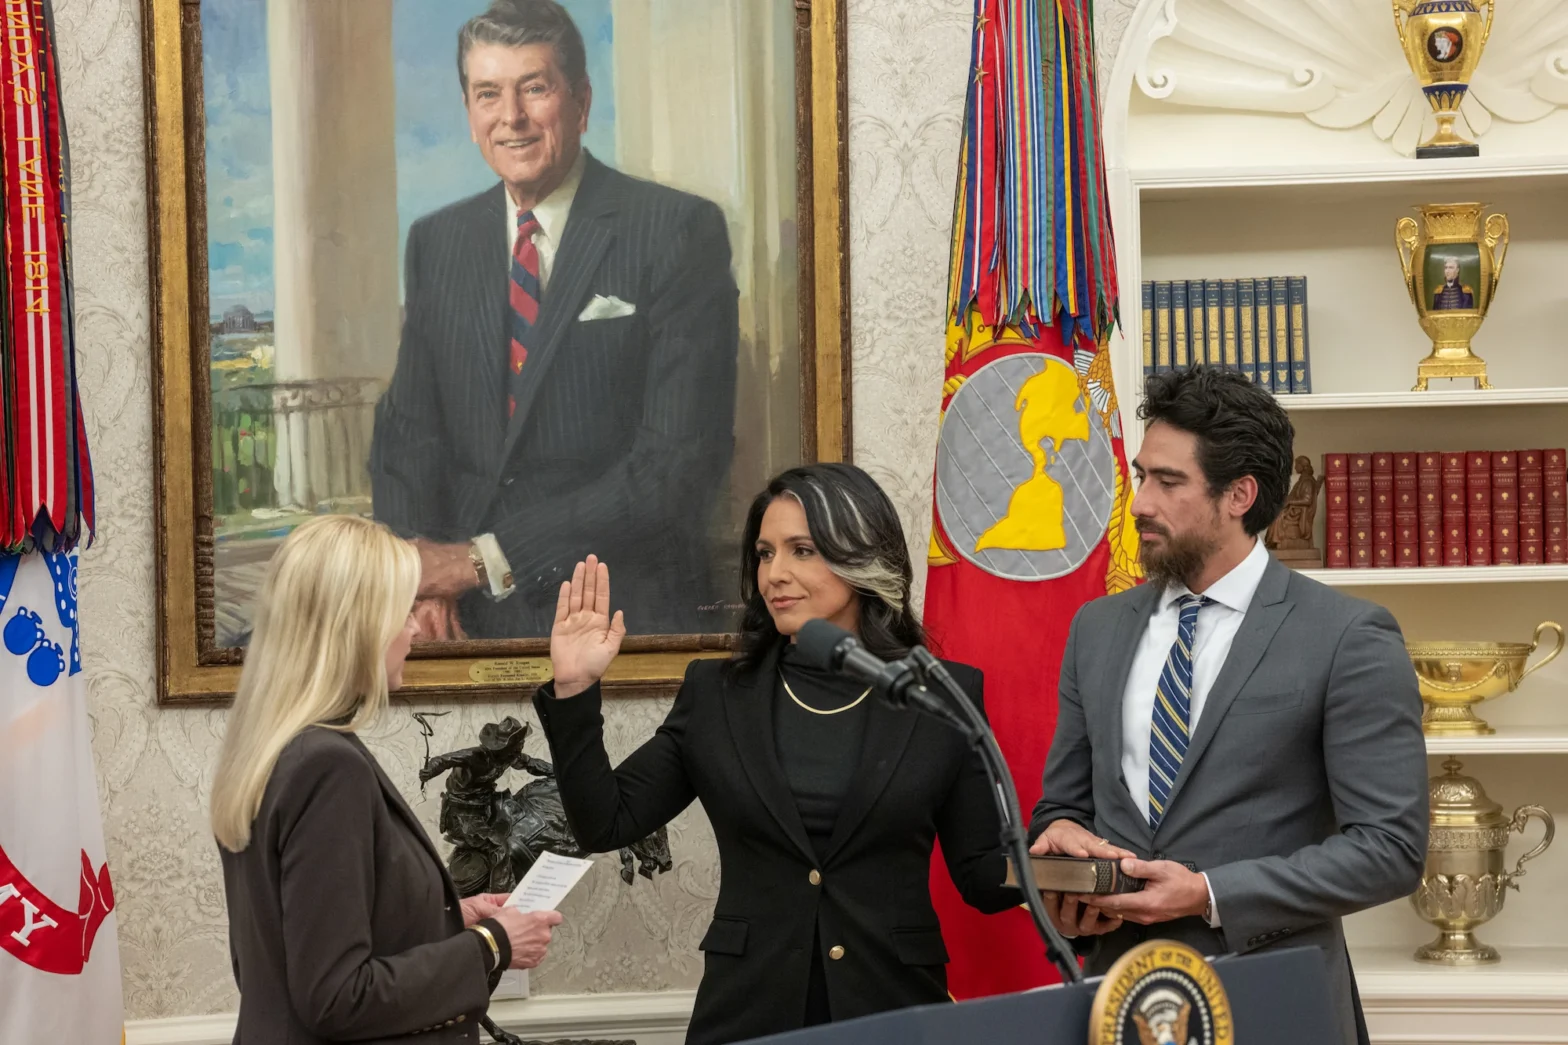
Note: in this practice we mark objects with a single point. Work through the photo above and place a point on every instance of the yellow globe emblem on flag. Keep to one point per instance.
(1026, 476)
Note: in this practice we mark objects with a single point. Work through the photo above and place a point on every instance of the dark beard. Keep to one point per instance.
(1179, 561)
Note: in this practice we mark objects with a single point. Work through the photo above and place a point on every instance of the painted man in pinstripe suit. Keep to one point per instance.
(565, 381)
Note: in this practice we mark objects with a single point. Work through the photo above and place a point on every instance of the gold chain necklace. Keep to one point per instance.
(819, 711)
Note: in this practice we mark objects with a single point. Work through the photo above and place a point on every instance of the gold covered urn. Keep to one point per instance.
(1464, 884)
(1443, 41)
(1452, 261)
(1455, 676)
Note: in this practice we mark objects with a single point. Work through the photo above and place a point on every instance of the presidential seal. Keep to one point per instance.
(1161, 993)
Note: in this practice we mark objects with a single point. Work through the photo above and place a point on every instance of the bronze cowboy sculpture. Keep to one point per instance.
(497, 834)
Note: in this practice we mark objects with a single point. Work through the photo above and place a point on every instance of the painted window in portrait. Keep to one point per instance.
(520, 279)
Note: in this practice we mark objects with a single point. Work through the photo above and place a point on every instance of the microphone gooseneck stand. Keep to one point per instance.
(974, 726)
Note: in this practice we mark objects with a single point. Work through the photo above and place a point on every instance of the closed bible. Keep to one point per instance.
(1085, 875)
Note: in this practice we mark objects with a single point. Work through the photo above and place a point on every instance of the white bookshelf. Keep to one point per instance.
(1529, 974)
(1430, 400)
(1218, 193)
(1508, 740)
(1446, 576)
(1394, 177)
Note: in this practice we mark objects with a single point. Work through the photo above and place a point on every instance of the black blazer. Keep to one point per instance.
(343, 924)
(624, 427)
(869, 895)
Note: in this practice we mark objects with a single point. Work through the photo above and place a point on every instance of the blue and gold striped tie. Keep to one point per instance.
(1172, 724)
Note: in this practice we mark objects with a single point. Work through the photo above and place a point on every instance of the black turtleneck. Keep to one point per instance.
(818, 753)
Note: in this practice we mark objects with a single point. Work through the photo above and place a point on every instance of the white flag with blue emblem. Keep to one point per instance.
(59, 960)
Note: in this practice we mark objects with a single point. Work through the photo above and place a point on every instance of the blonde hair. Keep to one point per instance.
(337, 593)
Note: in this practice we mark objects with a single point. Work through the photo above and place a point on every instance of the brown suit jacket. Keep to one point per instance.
(343, 923)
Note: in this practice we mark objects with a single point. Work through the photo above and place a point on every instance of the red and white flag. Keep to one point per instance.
(59, 961)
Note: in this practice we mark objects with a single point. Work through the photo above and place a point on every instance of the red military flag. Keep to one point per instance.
(1031, 506)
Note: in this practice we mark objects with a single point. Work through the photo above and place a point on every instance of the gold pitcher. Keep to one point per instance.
(1443, 41)
(1464, 884)
(1452, 264)
(1455, 676)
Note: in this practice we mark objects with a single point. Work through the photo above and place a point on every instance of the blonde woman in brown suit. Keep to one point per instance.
(343, 923)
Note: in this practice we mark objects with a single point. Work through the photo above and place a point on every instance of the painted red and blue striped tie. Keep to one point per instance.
(525, 294)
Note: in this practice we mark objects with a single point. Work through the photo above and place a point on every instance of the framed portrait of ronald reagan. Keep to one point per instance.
(525, 280)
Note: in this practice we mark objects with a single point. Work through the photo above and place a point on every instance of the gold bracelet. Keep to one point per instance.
(495, 950)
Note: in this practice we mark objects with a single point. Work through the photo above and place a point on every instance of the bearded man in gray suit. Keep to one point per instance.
(1231, 714)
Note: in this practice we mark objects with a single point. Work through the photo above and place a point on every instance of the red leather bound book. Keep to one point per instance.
(1429, 485)
(1360, 511)
(1454, 537)
(1554, 492)
(1505, 508)
(1336, 515)
(1407, 516)
(1478, 509)
(1382, 510)
(1532, 520)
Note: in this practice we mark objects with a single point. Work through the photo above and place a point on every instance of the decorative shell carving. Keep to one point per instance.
(1339, 64)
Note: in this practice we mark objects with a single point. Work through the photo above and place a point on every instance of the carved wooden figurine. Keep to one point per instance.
(1290, 536)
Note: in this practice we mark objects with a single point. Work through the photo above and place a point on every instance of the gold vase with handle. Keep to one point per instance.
(1452, 261)
(1465, 882)
(1443, 41)
(1455, 676)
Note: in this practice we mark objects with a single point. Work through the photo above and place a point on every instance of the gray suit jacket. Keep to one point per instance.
(1303, 794)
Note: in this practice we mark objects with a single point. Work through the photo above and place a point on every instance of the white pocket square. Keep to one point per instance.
(602, 307)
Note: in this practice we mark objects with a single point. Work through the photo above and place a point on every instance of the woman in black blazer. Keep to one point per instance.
(824, 801)
(343, 923)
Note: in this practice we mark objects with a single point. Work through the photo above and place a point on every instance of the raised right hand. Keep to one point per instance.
(584, 638)
(529, 934)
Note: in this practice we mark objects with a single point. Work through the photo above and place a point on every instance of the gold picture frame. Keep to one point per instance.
(192, 669)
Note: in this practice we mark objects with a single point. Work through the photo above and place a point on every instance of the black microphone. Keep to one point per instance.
(830, 648)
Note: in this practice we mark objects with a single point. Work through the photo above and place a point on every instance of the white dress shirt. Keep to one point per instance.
(1218, 622)
(552, 213)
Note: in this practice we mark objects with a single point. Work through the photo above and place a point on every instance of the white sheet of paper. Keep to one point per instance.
(547, 882)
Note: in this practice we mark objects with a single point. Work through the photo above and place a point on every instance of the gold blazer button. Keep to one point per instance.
(836, 952)
(815, 878)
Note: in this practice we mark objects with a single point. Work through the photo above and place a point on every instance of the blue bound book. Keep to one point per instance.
(1197, 332)
(1265, 317)
(1300, 365)
(1163, 359)
(1280, 326)
(1247, 329)
(1229, 342)
(1181, 349)
(1214, 353)
(1148, 327)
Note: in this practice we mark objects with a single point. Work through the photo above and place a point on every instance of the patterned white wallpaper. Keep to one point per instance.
(907, 62)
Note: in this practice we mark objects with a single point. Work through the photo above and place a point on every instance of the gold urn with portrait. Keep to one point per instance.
(1452, 260)
(1465, 882)
(1455, 676)
(1443, 41)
